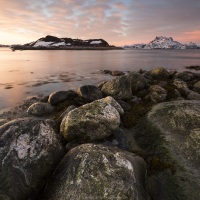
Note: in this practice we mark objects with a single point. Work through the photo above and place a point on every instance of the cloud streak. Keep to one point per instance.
(119, 22)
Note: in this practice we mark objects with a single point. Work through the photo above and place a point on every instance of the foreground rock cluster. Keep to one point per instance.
(136, 136)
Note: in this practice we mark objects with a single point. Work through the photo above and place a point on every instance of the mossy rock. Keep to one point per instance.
(169, 140)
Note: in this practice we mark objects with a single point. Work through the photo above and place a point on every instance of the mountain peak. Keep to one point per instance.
(164, 42)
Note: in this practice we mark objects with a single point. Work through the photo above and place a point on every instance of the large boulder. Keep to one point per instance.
(93, 121)
(40, 109)
(170, 139)
(138, 82)
(94, 171)
(29, 151)
(60, 96)
(90, 92)
(118, 88)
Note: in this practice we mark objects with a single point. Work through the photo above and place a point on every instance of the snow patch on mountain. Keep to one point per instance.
(163, 42)
(42, 44)
(96, 42)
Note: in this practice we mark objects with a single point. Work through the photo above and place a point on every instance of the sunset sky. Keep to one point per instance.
(118, 22)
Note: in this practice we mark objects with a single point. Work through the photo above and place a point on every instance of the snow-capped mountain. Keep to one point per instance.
(163, 42)
(52, 41)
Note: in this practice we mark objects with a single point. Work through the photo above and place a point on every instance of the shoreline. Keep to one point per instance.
(130, 126)
(65, 48)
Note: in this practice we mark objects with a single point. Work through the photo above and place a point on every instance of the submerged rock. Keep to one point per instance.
(29, 151)
(40, 109)
(94, 171)
(90, 92)
(170, 137)
(93, 121)
(118, 88)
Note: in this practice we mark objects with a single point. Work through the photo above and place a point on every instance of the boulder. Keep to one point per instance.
(93, 171)
(60, 96)
(29, 151)
(40, 109)
(169, 137)
(138, 82)
(90, 92)
(118, 88)
(181, 86)
(70, 108)
(196, 87)
(159, 73)
(117, 73)
(156, 94)
(92, 121)
(186, 76)
(193, 95)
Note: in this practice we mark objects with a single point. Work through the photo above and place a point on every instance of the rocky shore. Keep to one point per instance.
(136, 136)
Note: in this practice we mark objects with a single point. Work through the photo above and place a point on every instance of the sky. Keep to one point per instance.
(116, 21)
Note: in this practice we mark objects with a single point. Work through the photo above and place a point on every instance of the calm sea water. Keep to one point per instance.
(28, 73)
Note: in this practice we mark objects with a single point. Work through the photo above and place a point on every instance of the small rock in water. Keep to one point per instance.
(117, 73)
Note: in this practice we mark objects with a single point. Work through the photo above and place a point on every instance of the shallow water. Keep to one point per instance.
(28, 73)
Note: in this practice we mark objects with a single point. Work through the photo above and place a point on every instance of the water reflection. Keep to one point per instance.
(27, 73)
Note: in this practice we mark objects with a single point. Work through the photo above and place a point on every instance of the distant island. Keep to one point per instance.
(2, 45)
(54, 43)
(163, 42)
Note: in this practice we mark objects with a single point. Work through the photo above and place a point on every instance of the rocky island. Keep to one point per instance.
(54, 43)
(136, 136)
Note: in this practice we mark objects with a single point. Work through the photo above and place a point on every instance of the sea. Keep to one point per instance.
(25, 74)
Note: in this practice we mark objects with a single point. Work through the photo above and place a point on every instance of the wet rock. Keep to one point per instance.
(181, 86)
(169, 136)
(138, 82)
(196, 87)
(117, 73)
(195, 67)
(106, 71)
(90, 92)
(118, 88)
(60, 96)
(70, 108)
(94, 171)
(29, 151)
(193, 96)
(3, 121)
(40, 109)
(100, 85)
(159, 73)
(156, 94)
(93, 121)
(186, 76)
